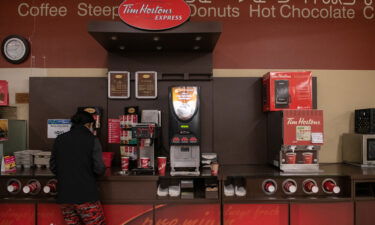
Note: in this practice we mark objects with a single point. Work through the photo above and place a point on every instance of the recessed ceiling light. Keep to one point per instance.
(122, 47)
(159, 47)
(196, 47)
(156, 38)
(198, 38)
(114, 38)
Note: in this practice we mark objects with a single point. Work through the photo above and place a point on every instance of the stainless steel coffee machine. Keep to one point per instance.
(184, 130)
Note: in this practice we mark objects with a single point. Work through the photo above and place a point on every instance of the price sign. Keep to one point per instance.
(118, 84)
(317, 138)
(146, 84)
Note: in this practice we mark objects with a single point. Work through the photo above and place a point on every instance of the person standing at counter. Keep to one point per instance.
(76, 161)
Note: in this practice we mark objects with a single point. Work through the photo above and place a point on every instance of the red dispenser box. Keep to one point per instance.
(287, 90)
(4, 93)
(295, 137)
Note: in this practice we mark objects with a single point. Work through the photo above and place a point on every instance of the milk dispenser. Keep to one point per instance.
(184, 130)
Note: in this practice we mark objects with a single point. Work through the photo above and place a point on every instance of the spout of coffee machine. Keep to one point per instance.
(185, 160)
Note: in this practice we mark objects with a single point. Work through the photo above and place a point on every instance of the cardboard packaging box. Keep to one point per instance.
(287, 90)
(4, 93)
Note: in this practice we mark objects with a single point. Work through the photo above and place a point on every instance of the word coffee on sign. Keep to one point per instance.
(154, 14)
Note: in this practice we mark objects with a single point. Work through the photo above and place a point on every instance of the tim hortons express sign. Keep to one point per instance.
(154, 14)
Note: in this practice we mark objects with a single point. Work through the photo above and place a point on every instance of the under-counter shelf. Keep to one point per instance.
(364, 189)
(188, 189)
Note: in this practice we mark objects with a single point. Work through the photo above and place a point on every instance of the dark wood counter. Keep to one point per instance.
(331, 169)
(355, 182)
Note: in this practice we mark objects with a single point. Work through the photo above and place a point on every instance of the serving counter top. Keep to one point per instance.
(114, 173)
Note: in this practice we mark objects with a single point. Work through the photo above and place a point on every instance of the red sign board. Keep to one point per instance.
(303, 127)
(154, 14)
(114, 131)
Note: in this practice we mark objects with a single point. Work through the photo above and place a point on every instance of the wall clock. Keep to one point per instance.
(15, 49)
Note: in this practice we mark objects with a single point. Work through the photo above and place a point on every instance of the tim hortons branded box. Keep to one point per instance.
(294, 138)
(287, 90)
(4, 93)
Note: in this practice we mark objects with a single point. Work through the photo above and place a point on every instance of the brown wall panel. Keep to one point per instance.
(239, 123)
(58, 98)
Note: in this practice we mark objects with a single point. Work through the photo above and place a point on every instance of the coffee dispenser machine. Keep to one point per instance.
(184, 130)
(294, 139)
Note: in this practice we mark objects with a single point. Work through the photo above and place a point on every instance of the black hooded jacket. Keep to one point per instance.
(77, 160)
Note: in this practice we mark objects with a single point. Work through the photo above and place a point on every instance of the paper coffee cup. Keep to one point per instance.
(214, 169)
(291, 158)
(162, 163)
(145, 162)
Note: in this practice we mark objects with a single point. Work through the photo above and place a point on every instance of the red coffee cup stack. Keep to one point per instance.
(50, 187)
(30, 188)
(291, 158)
(13, 187)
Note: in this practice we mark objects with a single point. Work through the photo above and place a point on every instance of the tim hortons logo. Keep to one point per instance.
(160, 167)
(302, 121)
(282, 76)
(154, 14)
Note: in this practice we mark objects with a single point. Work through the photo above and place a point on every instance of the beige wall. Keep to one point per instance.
(339, 93)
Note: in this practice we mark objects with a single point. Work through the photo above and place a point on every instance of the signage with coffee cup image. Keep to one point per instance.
(146, 84)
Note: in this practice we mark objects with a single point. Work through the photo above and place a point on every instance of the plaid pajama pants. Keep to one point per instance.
(90, 213)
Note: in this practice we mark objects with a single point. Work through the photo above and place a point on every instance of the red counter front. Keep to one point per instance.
(114, 214)
(255, 214)
(16, 214)
(176, 214)
(128, 214)
(322, 213)
(48, 214)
